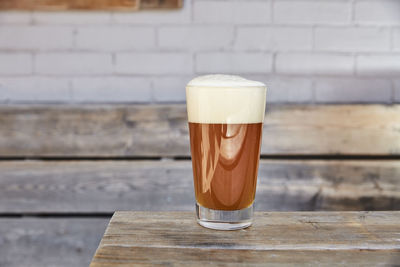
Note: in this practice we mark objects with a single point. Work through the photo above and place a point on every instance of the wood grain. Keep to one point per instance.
(106, 186)
(313, 239)
(145, 256)
(161, 130)
(62, 5)
(49, 242)
(157, 4)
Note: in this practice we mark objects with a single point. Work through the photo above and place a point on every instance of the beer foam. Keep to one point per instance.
(225, 99)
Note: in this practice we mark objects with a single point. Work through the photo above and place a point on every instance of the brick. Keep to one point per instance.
(11, 17)
(73, 63)
(396, 39)
(355, 39)
(286, 89)
(111, 89)
(154, 63)
(289, 90)
(115, 38)
(378, 65)
(15, 63)
(155, 17)
(232, 12)
(312, 12)
(195, 37)
(397, 91)
(314, 64)
(170, 89)
(377, 12)
(352, 90)
(34, 89)
(36, 38)
(273, 38)
(71, 18)
(234, 63)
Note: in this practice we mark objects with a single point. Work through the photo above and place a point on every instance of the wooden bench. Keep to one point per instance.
(284, 238)
(65, 169)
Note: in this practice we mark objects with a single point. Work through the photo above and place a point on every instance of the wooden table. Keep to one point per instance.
(289, 238)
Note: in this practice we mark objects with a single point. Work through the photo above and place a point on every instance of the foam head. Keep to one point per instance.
(225, 99)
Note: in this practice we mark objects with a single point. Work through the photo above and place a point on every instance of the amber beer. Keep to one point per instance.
(225, 123)
(225, 164)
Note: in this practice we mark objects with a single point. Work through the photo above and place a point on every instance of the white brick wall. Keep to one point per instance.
(115, 38)
(396, 39)
(397, 90)
(306, 51)
(381, 65)
(36, 38)
(377, 12)
(232, 12)
(15, 63)
(153, 63)
(71, 18)
(351, 90)
(288, 89)
(15, 18)
(195, 37)
(72, 63)
(312, 12)
(170, 89)
(274, 38)
(352, 39)
(111, 89)
(319, 64)
(234, 63)
(34, 89)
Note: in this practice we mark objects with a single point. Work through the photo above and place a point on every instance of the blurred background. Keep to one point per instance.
(306, 51)
(92, 114)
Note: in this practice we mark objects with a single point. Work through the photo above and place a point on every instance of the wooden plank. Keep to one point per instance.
(63, 5)
(148, 256)
(305, 238)
(49, 242)
(161, 130)
(93, 131)
(106, 186)
(160, 4)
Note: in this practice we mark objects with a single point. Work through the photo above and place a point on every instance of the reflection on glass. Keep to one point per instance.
(225, 165)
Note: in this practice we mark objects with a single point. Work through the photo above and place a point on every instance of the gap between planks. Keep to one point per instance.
(184, 158)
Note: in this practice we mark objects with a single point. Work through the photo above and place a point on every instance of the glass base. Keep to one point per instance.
(224, 219)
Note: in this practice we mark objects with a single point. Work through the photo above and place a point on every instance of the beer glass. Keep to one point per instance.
(226, 115)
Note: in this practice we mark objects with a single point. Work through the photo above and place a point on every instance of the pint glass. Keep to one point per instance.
(226, 115)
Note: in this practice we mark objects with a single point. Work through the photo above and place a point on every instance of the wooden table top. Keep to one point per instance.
(300, 238)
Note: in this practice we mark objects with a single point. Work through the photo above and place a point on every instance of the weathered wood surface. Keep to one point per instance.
(145, 256)
(62, 5)
(161, 130)
(157, 4)
(49, 242)
(106, 186)
(312, 239)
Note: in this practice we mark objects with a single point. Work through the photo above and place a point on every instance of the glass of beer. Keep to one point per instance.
(226, 115)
